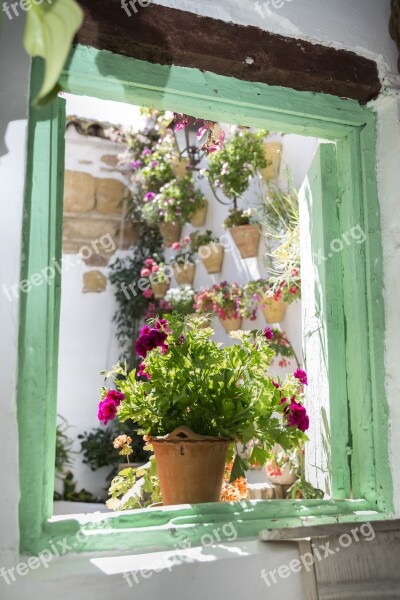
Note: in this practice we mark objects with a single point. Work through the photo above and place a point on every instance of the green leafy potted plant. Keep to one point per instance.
(198, 399)
(231, 169)
(182, 262)
(244, 230)
(209, 249)
(225, 299)
(175, 204)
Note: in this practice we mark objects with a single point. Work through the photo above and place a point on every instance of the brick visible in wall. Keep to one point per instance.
(94, 282)
(79, 191)
(110, 194)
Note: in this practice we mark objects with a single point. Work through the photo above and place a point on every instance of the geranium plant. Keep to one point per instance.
(176, 202)
(183, 250)
(181, 299)
(232, 168)
(189, 380)
(225, 299)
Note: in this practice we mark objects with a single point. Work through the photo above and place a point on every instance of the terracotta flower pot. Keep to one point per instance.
(179, 168)
(199, 217)
(190, 466)
(231, 324)
(273, 154)
(184, 273)
(246, 238)
(212, 256)
(160, 289)
(273, 310)
(171, 232)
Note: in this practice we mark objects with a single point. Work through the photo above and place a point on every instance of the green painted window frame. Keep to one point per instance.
(108, 76)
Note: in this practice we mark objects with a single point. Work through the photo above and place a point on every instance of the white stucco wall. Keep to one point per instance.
(360, 26)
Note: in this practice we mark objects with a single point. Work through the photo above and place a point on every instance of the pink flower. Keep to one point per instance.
(268, 333)
(153, 163)
(142, 371)
(145, 272)
(301, 376)
(151, 338)
(108, 407)
(136, 164)
(150, 196)
(155, 269)
(293, 289)
(294, 272)
(149, 262)
(176, 246)
(186, 239)
(146, 152)
(297, 416)
(148, 293)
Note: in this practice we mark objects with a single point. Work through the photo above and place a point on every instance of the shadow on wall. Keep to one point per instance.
(14, 75)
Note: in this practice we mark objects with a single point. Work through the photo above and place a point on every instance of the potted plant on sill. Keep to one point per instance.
(244, 230)
(175, 204)
(197, 399)
(209, 250)
(257, 294)
(182, 262)
(224, 299)
(155, 271)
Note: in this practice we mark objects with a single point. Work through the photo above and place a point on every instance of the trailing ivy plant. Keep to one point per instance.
(133, 306)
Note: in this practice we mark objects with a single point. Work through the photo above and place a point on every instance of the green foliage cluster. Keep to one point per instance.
(148, 489)
(232, 167)
(176, 201)
(213, 390)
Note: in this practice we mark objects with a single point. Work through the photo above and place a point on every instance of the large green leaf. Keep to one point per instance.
(50, 29)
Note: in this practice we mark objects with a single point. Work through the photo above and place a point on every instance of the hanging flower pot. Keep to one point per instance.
(273, 154)
(160, 289)
(190, 466)
(171, 232)
(273, 310)
(184, 273)
(231, 324)
(179, 168)
(199, 217)
(246, 238)
(212, 256)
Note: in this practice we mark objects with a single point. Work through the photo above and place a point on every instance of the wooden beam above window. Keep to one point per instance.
(167, 36)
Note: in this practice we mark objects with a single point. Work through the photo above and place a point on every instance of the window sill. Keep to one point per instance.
(163, 528)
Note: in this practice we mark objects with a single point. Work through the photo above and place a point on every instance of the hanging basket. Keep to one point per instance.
(212, 256)
(199, 217)
(184, 273)
(247, 239)
(160, 289)
(273, 310)
(171, 232)
(190, 466)
(231, 324)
